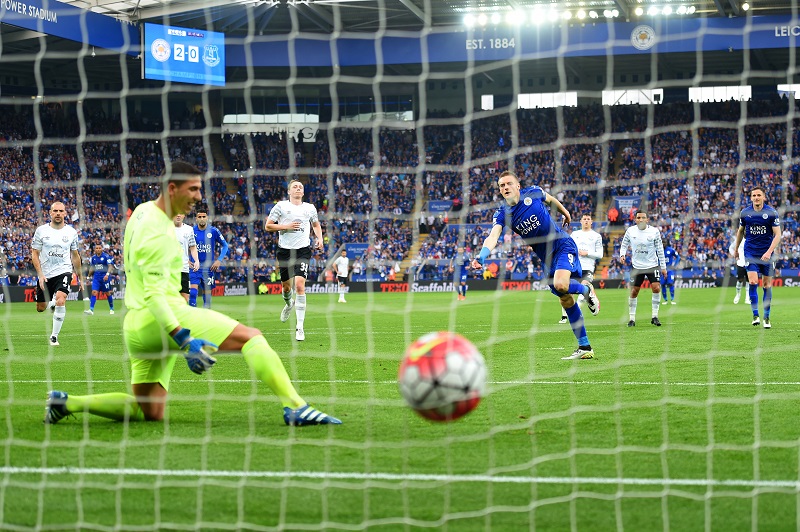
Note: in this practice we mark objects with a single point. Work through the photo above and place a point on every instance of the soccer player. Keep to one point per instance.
(101, 265)
(459, 267)
(590, 250)
(527, 212)
(647, 257)
(741, 271)
(760, 227)
(159, 323)
(185, 235)
(671, 258)
(342, 267)
(206, 237)
(54, 254)
(294, 219)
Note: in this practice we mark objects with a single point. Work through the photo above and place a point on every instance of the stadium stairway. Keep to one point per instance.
(615, 232)
(218, 152)
(413, 252)
(231, 184)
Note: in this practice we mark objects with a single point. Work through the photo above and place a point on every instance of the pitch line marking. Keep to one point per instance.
(394, 382)
(333, 475)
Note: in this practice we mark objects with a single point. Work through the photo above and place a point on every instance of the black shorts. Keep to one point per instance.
(59, 283)
(741, 274)
(342, 280)
(294, 261)
(184, 282)
(651, 274)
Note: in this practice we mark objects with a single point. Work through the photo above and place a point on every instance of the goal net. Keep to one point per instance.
(399, 117)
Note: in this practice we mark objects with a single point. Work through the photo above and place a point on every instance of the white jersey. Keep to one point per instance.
(286, 212)
(592, 243)
(341, 265)
(740, 261)
(55, 249)
(647, 249)
(185, 235)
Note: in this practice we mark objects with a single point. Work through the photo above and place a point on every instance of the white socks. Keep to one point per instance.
(58, 319)
(632, 301)
(739, 287)
(656, 299)
(300, 310)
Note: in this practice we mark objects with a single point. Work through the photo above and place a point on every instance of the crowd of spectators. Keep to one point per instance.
(369, 184)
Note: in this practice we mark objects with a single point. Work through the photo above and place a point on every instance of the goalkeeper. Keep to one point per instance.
(159, 323)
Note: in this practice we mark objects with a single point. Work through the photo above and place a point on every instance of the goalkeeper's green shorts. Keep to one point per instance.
(153, 352)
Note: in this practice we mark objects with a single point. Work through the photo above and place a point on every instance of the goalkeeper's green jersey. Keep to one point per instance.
(153, 262)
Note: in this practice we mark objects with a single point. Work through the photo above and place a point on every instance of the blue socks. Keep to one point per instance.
(753, 288)
(193, 297)
(576, 287)
(93, 300)
(767, 301)
(670, 289)
(576, 322)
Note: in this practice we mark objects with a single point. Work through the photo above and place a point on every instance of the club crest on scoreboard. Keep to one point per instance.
(160, 50)
(211, 55)
(643, 37)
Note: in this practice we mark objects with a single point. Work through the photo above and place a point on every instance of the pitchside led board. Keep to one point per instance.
(183, 54)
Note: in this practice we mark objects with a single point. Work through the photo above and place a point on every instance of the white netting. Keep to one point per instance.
(685, 426)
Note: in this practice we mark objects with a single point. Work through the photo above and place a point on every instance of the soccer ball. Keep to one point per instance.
(442, 376)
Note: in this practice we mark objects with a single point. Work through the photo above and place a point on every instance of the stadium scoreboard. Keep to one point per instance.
(171, 53)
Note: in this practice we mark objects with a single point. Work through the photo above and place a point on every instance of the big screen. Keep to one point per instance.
(181, 54)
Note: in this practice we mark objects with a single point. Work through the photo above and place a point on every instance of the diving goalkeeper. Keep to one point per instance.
(159, 323)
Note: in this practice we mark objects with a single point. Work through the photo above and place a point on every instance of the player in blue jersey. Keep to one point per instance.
(527, 212)
(459, 268)
(760, 227)
(206, 238)
(672, 259)
(100, 270)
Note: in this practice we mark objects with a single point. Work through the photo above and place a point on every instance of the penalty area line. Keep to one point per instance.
(412, 477)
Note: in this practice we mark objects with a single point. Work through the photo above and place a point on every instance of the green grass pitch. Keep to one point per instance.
(690, 426)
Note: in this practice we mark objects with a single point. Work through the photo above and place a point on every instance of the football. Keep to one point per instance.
(442, 376)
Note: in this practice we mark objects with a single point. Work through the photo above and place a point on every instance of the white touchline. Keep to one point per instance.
(394, 383)
(333, 475)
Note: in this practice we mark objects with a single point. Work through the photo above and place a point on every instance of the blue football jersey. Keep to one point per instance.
(758, 229)
(206, 240)
(461, 266)
(530, 219)
(100, 264)
(671, 257)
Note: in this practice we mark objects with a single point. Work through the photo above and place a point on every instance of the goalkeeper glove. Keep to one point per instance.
(196, 351)
(485, 252)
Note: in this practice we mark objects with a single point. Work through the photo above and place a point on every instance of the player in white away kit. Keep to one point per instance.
(185, 235)
(647, 257)
(54, 253)
(590, 250)
(342, 267)
(293, 220)
(741, 271)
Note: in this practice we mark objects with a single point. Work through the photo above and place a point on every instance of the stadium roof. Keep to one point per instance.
(20, 48)
(283, 16)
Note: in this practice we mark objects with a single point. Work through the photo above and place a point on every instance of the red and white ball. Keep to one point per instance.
(442, 376)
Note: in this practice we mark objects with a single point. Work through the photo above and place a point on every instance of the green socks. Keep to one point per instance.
(267, 366)
(118, 406)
